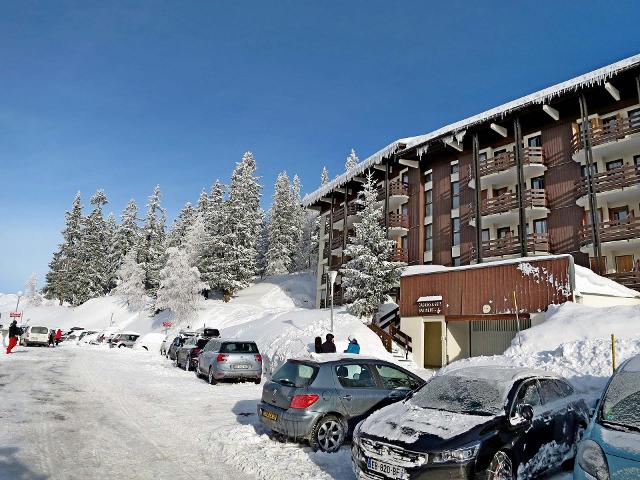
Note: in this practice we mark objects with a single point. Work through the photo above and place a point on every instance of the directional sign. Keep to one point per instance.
(15, 314)
(167, 324)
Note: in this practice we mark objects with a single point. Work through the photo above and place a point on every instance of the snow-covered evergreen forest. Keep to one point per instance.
(219, 245)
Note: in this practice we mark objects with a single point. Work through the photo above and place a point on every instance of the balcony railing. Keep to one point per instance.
(610, 131)
(533, 198)
(628, 279)
(510, 245)
(336, 241)
(352, 209)
(613, 230)
(399, 255)
(506, 160)
(398, 220)
(610, 180)
(396, 188)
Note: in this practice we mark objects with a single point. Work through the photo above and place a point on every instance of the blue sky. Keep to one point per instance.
(127, 95)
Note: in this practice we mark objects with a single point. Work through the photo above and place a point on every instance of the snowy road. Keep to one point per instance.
(75, 413)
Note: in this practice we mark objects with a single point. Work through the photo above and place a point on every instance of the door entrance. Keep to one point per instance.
(624, 263)
(433, 344)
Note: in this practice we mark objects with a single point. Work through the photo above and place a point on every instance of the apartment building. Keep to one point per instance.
(557, 171)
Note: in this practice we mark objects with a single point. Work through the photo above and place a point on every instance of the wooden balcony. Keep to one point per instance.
(396, 189)
(533, 198)
(601, 133)
(613, 230)
(615, 179)
(509, 245)
(399, 255)
(506, 160)
(352, 209)
(628, 279)
(398, 220)
(336, 241)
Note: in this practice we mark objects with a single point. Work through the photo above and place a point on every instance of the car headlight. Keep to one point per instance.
(592, 460)
(356, 432)
(458, 456)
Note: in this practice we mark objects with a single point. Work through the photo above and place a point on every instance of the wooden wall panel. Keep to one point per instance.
(565, 217)
(415, 237)
(441, 210)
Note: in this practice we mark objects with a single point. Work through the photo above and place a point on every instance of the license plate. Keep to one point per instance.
(386, 469)
(270, 415)
(241, 367)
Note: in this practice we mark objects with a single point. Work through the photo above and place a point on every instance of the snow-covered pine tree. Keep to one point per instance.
(31, 294)
(299, 257)
(131, 282)
(243, 222)
(282, 231)
(369, 275)
(181, 225)
(180, 287)
(324, 177)
(129, 232)
(92, 277)
(151, 253)
(352, 161)
(262, 246)
(213, 268)
(64, 267)
(114, 254)
(196, 240)
(309, 247)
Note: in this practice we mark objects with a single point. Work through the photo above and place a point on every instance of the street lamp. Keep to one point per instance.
(332, 279)
(18, 302)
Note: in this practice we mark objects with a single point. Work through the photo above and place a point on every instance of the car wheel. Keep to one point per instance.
(121, 345)
(212, 379)
(187, 364)
(328, 434)
(501, 467)
(176, 362)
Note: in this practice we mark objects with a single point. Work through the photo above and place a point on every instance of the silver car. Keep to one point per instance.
(124, 340)
(322, 399)
(231, 359)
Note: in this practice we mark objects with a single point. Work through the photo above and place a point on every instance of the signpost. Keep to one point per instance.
(431, 305)
(167, 326)
(15, 314)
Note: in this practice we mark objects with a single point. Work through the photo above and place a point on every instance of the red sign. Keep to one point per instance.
(15, 314)
(167, 324)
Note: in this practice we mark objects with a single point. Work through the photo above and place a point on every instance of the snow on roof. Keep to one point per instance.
(590, 283)
(500, 373)
(540, 97)
(430, 298)
(426, 269)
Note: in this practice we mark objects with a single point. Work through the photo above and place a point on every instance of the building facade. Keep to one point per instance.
(554, 172)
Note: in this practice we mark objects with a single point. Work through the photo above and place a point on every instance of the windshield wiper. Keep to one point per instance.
(619, 426)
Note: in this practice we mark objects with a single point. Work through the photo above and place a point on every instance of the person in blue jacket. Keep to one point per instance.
(353, 347)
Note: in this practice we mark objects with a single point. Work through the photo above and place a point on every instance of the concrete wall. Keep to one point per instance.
(457, 340)
(413, 326)
(605, 301)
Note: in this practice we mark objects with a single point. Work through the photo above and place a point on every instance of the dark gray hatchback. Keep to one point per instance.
(323, 398)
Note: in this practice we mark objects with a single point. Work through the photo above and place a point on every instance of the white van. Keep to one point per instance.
(35, 336)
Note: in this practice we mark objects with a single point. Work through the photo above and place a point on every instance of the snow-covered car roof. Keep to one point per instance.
(500, 373)
(127, 333)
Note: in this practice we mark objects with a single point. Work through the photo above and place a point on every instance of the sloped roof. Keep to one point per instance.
(540, 97)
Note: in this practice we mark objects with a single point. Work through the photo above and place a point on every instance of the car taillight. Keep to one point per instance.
(303, 401)
(258, 358)
(221, 357)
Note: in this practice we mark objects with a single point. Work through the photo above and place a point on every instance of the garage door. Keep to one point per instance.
(493, 337)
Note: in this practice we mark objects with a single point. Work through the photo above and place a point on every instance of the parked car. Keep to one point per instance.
(124, 340)
(230, 359)
(489, 422)
(34, 335)
(178, 341)
(187, 354)
(611, 445)
(321, 400)
(84, 333)
(166, 343)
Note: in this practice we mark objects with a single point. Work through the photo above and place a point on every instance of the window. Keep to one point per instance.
(564, 388)
(609, 123)
(300, 374)
(634, 118)
(504, 232)
(618, 214)
(500, 191)
(455, 230)
(455, 261)
(550, 391)
(593, 264)
(528, 394)
(239, 347)
(428, 236)
(355, 376)
(428, 203)
(613, 164)
(405, 178)
(636, 160)
(583, 169)
(455, 168)
(393, 378)
(455, 195)
(428, 176)
(499, 152)
(537, 183)
(540, 226)
(482, 157)
(535, 141)
(485, 235)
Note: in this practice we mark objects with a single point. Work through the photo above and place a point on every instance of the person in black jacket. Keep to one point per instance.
(13, 336)
(329, 346)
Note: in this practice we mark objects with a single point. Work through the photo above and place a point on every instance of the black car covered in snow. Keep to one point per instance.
(476, 422)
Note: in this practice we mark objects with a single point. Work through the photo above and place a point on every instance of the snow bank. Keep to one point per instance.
(590, 282)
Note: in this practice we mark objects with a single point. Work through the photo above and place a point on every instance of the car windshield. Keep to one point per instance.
(621, 404)
(39, 330)
(459, 394)
(239, 347)
(202, 342)
(295, 374)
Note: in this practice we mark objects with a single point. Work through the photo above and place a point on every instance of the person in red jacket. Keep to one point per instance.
(13, 336)
(58, 336)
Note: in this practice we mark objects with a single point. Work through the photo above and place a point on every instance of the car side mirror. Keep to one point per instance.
(526, 412)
